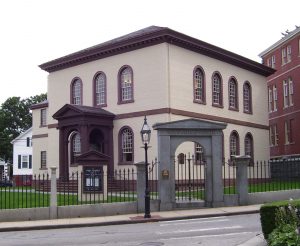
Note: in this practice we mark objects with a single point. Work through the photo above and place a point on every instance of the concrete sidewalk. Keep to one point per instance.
(134, 218)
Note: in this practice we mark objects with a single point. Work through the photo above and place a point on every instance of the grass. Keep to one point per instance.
(11, 199)
(26, 197)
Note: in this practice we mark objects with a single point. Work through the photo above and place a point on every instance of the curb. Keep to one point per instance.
(132, 220)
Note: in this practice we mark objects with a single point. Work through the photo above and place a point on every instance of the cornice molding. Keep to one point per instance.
(148, 37)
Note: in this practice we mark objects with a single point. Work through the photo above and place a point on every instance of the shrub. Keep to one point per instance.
(284, 235)
(268, 215)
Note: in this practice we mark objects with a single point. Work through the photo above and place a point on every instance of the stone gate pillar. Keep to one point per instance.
(169, 136)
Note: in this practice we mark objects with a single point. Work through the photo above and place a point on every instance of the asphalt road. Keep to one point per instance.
(225, 231)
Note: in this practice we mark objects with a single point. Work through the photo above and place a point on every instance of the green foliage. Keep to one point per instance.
(268, 215)
(15, 117)
(284, 235)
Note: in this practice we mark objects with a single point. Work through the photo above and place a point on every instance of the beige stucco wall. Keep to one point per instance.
(182, 64)
(149, 76)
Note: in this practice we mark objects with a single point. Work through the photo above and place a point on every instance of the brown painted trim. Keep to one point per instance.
(236, 108)
(182, 113)
(220, 104)
(40, 136)
(120, 100)
(203, 101)
(149, 37)
(81, 90)
(55, 125)
(39, 105)
(190, 114)
(94, 90)
(218, 118)
(250, 111)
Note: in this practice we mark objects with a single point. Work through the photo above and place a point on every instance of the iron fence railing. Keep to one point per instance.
(264, 176)
(189, 178)
(27, 193)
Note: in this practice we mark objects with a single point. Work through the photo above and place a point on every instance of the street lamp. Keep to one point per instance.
(146, 134)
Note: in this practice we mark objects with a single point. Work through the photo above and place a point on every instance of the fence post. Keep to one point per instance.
(242, 163)
(53, 194)
(141, 186)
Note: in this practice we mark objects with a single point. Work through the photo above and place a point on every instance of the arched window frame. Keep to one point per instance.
(199, 85)
(233, 96)
(247, 98)
(122, 89)
(76, 99)
(103, 90)
(122, 157)
(234, 144)
(217, 90)
(248, 143)
(75, 146)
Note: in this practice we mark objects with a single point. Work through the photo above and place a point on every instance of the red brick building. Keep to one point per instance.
(284, 95)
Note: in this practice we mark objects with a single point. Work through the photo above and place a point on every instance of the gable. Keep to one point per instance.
(92, 157)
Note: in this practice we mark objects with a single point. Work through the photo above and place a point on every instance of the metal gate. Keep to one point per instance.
(189, 178)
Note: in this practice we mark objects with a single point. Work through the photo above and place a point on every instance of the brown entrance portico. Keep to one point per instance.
(83, 129)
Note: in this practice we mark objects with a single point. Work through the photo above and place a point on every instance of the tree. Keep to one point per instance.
(15, 118)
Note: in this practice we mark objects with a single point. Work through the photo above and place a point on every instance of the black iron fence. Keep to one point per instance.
(87, 187)
(189, 178)
(28, 195)
(265, 176)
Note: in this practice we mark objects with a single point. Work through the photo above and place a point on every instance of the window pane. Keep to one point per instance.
(216, 90)
(100, 90)
(198, 83)
(247, 98)
(127, 145)
(76, 92)
(232, 94)
(126, 84)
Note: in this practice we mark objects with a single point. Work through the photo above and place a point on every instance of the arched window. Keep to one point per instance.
(199, 85)
(75, 147)
(233, 94)
(217, 93)
(125, 85)
(234, 144)
(249, 145)
(100, 90)
(247, 94)
(126, 149)
(76, 91)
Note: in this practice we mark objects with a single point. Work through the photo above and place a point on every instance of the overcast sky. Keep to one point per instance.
(37, 31)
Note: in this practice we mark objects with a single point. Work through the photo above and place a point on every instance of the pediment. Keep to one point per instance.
(70, 110)
(190, 124)
(92, 157)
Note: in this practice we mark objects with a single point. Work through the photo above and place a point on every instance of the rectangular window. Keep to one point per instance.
(273, 61)
(25, 161)
(275, 98)
(285, 94)
(270, 100)
(269, 64)
(283, 56)
(291, 92)
(286, 132)
(292, 128)
(43, 117)
(271, 134)
(43, 159)
(276, 137)
(289, 53)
